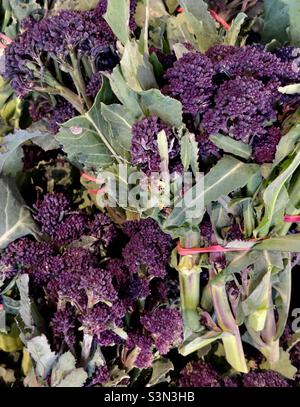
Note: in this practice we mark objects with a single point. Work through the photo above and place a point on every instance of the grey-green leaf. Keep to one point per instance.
(136, 68)
(226, 176)
(117, 17)
(15, 218)
(41, 353)
(231, 37)
(154, 103)
(201, 22)
(160, 370)
(11, 152)
(76, 378)
(88, 139)
(287, 144)
(229, 145)
(25, 302)
(272, 195)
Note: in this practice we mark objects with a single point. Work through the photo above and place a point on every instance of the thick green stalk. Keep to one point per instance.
(268, 334)
(78, 80)
(231, 334)
(189, 278)
(55, 88)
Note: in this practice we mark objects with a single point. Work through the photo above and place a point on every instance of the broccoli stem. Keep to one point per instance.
(78, 80)
(189, 278)
(190, 298)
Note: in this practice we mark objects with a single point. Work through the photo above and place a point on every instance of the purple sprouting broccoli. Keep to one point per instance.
(28, 256)
(53, 212)
(165, 327)
(103, 229)
(229, 381)
(190, 81)
(61, 112)
(63, 326)
(252, 60)
(264, 148)
(71, 229)
(264, 379)
(101, 320)
(98, 287)
(94, 84)
(119, 272)
(101, 376)
(131, 287)
(286, 54)
(136, 289)
(141, 345)
(148, 249)
(59, 39)
(50, 210)
(54, 114)
(243, 107)
(144, 147)
(80, 281)
(199, 374)
(220, 52)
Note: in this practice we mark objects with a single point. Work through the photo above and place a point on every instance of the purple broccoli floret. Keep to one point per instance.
(264, 148)
(98, 287)
(71, 229)
(199, 374)
(55, 115)
(142, 345)
(144, 147)
(148, 249)
(100, 320)
(50, 210)
(190, 81)
(103, 229)
(94, 84)
(287, 53)
(255, 61)
(101, 376)
(220, 52)
(264, 379)
(62, 112)
(243, 107)
(28, 256)
(53, 214)
(63, 326)
(165, 326)
(77, 32)
(79, 280)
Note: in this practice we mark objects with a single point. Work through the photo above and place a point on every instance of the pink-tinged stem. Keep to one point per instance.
(89, 177)
(5, 38)
(211, 249)
(96, 191)
(219, 19)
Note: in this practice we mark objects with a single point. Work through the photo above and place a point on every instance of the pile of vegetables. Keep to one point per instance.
(190, 110)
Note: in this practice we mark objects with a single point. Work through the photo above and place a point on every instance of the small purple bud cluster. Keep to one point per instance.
(144, 147)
